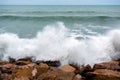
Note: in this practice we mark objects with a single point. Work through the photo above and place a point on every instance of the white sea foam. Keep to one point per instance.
(55, 43)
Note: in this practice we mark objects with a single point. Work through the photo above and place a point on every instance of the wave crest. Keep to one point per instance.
(54, 43)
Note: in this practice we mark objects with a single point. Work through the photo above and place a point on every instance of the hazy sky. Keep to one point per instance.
(59, 2)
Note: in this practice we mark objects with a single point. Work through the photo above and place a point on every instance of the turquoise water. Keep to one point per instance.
(70, 34)
(96, 19)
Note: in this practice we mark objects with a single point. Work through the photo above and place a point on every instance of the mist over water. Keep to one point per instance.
(70, 34)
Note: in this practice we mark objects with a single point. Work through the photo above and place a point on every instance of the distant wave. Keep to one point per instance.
(56, 17)
(60, 11)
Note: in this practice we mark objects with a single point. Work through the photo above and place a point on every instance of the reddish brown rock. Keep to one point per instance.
(31, 65)
(42, 68)
(3, 62)
(47, 76)
(67, 68)
(56, 75)
(5, 76)
(21, 63)
(112, 65)
(103, 74)
(22, 78)
(21, 73)
(78, 77)
(77, 68)
(8, 68)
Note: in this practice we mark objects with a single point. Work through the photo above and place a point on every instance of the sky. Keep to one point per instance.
(59, 2)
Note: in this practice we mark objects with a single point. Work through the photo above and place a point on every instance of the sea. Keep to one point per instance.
(79, 34)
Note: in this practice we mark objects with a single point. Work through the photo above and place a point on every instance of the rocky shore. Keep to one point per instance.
(27, 69)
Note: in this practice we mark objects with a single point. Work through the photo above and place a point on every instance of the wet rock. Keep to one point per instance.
(67, 68)
(112, 65)
(24, 61)
(50, 63)
(29, 59)
(21, 63)
(103, 74)
(85, 69)
(77, 68)
(12, 60)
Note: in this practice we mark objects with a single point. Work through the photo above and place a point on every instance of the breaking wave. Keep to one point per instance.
(55, 42)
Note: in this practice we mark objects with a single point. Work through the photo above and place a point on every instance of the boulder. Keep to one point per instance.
(12, 60)
(8, 68)
(23, 61)
(112, 65)
(85, 69)
(77, 68)
(22, 78)
(29, 59)
(42, 68)
(50, 63)
(67, 68)
(56, 75)
(21, 73)
(103, 74)
(78, 77)
(5, 76)
(3, 62)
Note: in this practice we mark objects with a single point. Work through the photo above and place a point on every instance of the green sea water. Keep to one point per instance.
(71, 34)
(26, 21)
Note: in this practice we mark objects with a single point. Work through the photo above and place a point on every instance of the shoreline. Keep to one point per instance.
(27, 69)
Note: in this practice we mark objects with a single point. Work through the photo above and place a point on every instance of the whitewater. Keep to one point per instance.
(57, 43)
(71, 34)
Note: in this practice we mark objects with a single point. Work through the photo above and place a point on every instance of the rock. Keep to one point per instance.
(22, 78)
(53, 68)
(103, 74)
(67, 68)
(42, 68)
(3, 62)
(78, 77)
(21, 63)
(85, 69)
(77, 68)
(47, 76)
(50, 63)
(5, 76)
(25, 59)
(12, 60)
(24, 73)
(112, 65)
(56, 75)
(31, 65)
(8, 68)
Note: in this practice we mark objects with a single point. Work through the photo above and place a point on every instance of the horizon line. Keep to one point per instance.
(60, 5)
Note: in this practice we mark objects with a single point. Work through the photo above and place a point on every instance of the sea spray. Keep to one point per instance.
(55, 42)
